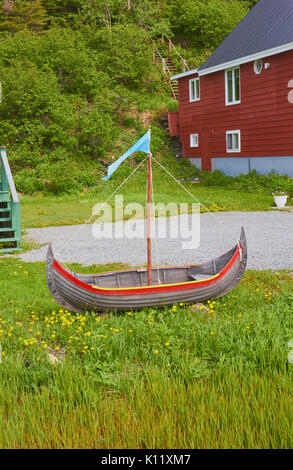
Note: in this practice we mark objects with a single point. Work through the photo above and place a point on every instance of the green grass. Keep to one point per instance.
(70, 210)
(168, 378)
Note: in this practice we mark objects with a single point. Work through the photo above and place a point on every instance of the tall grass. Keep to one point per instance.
(170, 378)
(225, 411)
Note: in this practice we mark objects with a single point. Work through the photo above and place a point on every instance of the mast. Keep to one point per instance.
(149, 209)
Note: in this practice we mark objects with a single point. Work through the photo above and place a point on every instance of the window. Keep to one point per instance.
(257, 66)
(233, 86)
(194, 89)
(193, 140)
(233, 142)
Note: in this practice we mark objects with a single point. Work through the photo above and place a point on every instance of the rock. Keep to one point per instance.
(195, 180)
(55, 356)
(199, 308)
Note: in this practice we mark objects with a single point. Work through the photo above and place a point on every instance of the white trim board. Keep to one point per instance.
(249, 58)
(184, 74)
(235, 62)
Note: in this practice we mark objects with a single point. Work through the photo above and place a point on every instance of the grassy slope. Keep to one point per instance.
(168, 378)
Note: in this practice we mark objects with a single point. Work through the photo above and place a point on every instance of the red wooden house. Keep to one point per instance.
(236, 110)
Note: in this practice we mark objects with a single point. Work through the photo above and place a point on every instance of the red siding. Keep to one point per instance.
(173, 122)
(264, 115)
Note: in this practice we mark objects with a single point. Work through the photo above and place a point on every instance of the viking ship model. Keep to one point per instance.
(150, 287)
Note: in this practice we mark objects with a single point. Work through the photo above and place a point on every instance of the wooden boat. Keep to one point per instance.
(151, 287)
(129, 289)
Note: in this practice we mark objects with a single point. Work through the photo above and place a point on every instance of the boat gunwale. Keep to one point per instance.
(155, 268)
(148, 289)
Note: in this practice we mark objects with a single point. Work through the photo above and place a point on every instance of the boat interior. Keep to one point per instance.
(160, 276)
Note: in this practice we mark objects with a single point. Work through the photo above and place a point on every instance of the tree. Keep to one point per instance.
(124, 54)
(20, 14)
(205, 23)
(151, 15)
(66, 10)
(100, 13)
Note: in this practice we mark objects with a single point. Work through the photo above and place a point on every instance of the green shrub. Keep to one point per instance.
(205, 23)
(128, 65)
(28, 181)
(130, 121)
(216, 178)
(252, 182)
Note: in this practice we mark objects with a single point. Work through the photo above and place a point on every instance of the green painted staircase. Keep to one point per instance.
(10, 225)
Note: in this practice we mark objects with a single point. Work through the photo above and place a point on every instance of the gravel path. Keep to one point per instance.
(269, 238)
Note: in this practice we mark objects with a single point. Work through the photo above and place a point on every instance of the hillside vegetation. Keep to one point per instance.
(79, 85)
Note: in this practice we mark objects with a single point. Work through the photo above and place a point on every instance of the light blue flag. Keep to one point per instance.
(142, 145)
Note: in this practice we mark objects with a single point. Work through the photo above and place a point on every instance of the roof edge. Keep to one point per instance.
(249, 58)
(184, 74)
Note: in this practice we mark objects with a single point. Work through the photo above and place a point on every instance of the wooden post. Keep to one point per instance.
(149, 209)
(184, 65)
(170, 47)
(164, 65)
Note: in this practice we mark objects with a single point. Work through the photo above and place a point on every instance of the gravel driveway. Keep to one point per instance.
(269, 237)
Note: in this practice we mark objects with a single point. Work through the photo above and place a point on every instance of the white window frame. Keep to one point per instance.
(192, 144)
(197, 96)
(234, 101)
(233, 150)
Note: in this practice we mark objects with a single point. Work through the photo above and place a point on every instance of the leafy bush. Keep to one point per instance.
(205, 23)
(252, 182)
(28, 181)
(128, 57)
(217, 178)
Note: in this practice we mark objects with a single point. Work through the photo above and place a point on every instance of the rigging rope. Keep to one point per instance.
(156, 238)
(195, 198)
(103, 205)
(156, 244)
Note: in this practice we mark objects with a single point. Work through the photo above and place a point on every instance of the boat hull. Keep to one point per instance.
(198, 283)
